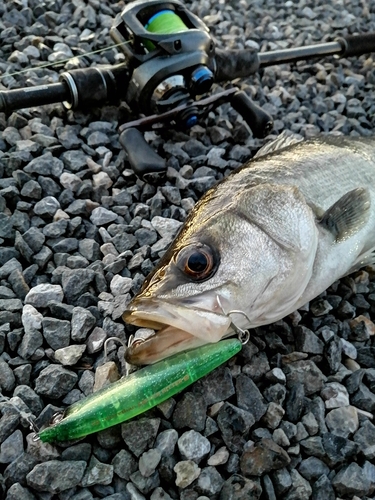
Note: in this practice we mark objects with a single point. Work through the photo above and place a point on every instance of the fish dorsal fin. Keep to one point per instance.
(348, 214)
(285, 139)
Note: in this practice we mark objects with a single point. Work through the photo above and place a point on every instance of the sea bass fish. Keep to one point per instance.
(265, 240)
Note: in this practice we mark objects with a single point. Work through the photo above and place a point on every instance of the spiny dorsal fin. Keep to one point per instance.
(348, 214)
(285, 139)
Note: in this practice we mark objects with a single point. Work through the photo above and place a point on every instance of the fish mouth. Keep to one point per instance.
(178, 328)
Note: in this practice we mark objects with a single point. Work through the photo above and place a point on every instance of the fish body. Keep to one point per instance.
(266, 240)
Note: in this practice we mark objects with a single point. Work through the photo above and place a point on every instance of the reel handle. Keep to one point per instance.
(260, 122)
(145, 162)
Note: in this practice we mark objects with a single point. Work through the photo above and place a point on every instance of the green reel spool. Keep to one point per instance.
(164, 22)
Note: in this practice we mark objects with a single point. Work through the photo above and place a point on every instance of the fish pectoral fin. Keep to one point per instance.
(348, 214)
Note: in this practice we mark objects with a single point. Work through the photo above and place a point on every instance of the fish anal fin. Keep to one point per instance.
(346, 217)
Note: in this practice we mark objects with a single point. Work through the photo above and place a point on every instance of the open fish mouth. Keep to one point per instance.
(177, 328)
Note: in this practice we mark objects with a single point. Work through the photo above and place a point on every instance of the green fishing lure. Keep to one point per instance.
(138, 392)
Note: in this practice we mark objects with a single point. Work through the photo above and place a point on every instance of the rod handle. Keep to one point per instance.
(356, 45)
(146, 163)
(236, 63)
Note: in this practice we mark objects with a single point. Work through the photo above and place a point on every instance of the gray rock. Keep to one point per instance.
(81, 324)
(41, 295)
(56, 476)
(262, 458)
(190, 412)
(166, 228)
(47, 206)
(7, 378)
(145, 484)
(56, 332)
(11, 448)
(273, 415)
(166, 442)
(140, 435)
(45, 165)
(31, 342)
(281, 480)
(234, 424)
(238, 487)
(76, 282)
(209, 482)
(70, 355)
(306, 373)
(249, 397)
(96, 340)
(124, 464)
(18, 492)
(193, 446)
(101, 216)
(307, 341)
(186, 471)
(216, 386)
(365, 437)
(300, 489)
(343, 421)
(148, 462)
(97, 473)
(322, 488)
(335, 395)
(351, 480)
(312, 468)
(55, 381)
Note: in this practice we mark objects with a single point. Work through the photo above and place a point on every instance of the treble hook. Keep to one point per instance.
(243, 335)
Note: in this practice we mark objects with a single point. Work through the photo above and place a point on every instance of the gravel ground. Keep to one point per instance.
(291, 416)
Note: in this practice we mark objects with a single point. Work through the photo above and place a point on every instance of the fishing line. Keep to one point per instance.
(23, 414)
(63, 61)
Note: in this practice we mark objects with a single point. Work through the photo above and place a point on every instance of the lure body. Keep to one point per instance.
(139, 392)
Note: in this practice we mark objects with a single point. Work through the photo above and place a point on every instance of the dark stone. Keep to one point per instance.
(304, 372)
(234, 424)
(238, 487)
(281, 480)
(190, 412)
(313, 468)
(216, 386)
(140, 435)
(17, 470)
(307, 341)
(55, 476)
(322, 488)
(351, 480)
(338, 449)
(249, 397)
(295, 402)
(263, 457)
(55, 381)
(76, 282)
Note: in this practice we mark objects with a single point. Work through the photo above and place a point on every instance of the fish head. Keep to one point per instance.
(249, 250)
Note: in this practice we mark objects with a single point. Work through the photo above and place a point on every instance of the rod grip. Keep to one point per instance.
(237, 63)
(146, 163)
(356, 45)
(33, 96)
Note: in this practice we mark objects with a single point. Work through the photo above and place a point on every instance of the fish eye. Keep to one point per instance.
(197, 262)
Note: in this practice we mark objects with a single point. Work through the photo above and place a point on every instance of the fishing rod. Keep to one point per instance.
(171, 65)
